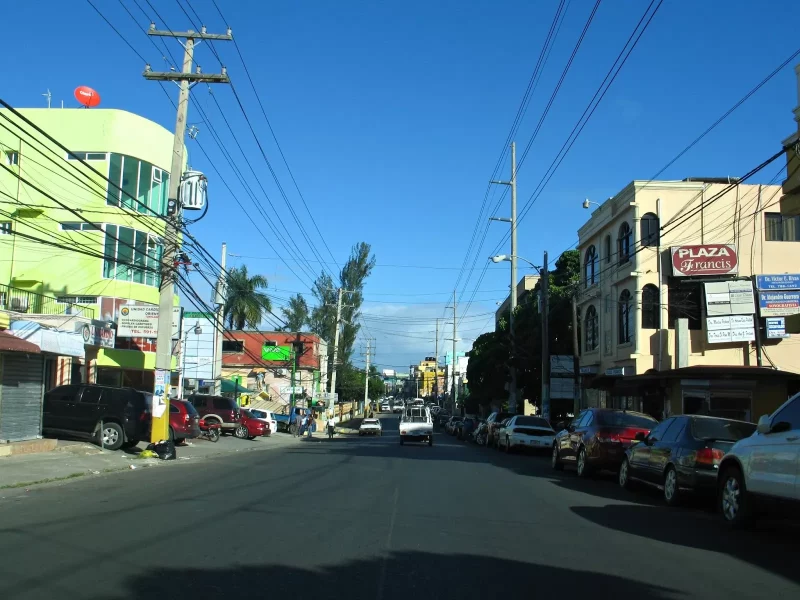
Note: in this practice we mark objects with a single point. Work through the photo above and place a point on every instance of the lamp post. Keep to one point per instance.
(544, 285)
(197, 331)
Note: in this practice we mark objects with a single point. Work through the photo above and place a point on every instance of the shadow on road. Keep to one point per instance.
(400, 575)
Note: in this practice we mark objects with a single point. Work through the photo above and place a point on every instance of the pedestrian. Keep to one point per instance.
(331, 425)
(309, 424)
(298, 421)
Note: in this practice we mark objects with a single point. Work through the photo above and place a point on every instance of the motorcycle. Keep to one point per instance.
(210, 430)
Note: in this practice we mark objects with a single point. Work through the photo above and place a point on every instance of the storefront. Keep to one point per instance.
(126, 368)
(21, 389)
(61, 350)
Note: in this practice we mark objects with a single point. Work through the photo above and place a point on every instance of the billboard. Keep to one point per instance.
(704, 260)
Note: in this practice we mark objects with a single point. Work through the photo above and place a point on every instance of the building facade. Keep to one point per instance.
(668, 298)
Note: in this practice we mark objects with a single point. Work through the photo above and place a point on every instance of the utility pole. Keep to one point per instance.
(455, 360)
(576, 359)
(436, 364)
(160, 419)
(366, 381)
(332, 389)
(219, 335)
(545, 339)
(512, 391)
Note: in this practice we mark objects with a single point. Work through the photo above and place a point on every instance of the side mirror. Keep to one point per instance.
(763, 424)
(640, 436)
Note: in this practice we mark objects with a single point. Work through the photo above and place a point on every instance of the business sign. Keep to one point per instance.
(277, 353)
(729, 298)
(286, 390)
(786, 281)
(142, 322)
(704, 260)
(590, 370)
(388, 372)
(326, 398)
(96, 333)
(778, 304)
(620, 371)
(776, 328)
(730, 329)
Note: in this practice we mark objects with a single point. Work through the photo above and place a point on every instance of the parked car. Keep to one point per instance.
(525, 432)
(466, 427)
(493, 423)
(282, 422)
(386, 407)
(682, 454)
(597, 438)
(479, 435)
(224, 410)
(80, 410)
(451, 424)
(183, 421)
(762, 472)
(370, 427)
(441, 418)
(250, 426)
(267, 416)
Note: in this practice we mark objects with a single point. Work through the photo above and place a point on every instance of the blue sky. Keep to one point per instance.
(392, 117)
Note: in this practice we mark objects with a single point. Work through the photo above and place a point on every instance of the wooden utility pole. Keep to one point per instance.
(186, 78)
(576, 359)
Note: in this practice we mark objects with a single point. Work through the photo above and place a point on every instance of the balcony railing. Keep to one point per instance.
(23, 301)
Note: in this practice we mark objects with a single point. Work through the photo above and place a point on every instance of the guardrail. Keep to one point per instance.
(24, 301)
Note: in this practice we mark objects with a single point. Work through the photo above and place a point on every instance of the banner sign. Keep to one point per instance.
(786, 281)
(142, 322)
(704, 260)
(734, 328)
(778, 304)
(96, 333)
(277, 353)
(776, 328)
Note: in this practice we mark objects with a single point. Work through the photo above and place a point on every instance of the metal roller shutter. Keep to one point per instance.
(21, 397)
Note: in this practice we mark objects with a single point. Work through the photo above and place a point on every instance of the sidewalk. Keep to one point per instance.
(71, 460)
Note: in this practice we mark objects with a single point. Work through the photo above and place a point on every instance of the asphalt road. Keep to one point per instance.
(364, 518)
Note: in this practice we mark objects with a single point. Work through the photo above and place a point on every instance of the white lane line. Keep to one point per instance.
(382, 576)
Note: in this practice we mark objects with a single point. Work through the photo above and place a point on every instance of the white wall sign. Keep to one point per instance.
(286, 390)
(730, 298)
(142, 321)
(776, 328)
(729, 329)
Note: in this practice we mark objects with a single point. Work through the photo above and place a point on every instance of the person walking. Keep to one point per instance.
(298, 421)
(310, 424)
(331, 424)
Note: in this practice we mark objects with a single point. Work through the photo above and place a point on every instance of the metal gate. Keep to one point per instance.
(21, 394)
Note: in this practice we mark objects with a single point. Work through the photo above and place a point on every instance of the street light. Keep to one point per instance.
(587, 202)
(506, 257)
(197, 331)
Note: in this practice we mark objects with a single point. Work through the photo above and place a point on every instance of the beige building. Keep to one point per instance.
(524, 287)
(660, 252)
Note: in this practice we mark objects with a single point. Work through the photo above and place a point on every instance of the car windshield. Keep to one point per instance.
(370, 422)
(258, 414)
(721, 429)
(619, 418)
(532, 422)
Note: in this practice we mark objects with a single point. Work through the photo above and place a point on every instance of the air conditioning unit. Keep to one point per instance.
(281, 372)
(19, 304)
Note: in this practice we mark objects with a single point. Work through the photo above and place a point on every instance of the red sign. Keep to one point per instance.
(87, 96)
(704, 260)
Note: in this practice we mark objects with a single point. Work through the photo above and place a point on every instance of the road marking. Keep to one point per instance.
(382, 576)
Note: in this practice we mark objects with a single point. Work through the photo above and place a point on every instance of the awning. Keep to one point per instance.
(231, 386)
(54, 341)
(11, 343)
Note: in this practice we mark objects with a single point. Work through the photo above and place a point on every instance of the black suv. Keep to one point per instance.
(80, 410)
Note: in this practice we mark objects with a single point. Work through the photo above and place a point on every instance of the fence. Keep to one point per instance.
(24, 301)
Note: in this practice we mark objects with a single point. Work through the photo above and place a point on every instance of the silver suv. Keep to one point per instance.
(762, 472)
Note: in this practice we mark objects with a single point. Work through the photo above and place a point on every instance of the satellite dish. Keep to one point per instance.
(87, 96)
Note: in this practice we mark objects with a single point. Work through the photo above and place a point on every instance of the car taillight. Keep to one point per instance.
(609, 437)
(708, 456)
(187, 417)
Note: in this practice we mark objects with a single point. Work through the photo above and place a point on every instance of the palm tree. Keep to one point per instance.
(245, 303)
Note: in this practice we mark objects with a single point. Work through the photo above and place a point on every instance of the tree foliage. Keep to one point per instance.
(350, 383)
(295, 313)
(245, 303)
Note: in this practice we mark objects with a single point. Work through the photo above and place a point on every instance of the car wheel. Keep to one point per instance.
(624, 474)
(111, 436)
(733, 501)
(583, 466)
(672, 495)
(556, 460)
(241, 432)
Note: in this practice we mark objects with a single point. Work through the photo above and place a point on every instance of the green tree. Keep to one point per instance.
(295, 313)
(245, 302)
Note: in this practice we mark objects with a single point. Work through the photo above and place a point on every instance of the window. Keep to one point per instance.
(173, 409)
(87, 156)
(76, 299)
(131, 255)
(221, 403)
(590, 264)
(5, 228)
(658, 433)
(607, 248)
(790, 414)
(684, 302)
(673, 433)
(91, 395)
(12, 158)
(591, 329)
(651, 313)
(781, 228)
(137, 185)
(648, 226)
(232, 346)
(81, 227)
(625, 318)
(624, 243)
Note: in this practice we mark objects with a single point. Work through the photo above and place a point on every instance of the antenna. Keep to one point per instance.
(49, 96)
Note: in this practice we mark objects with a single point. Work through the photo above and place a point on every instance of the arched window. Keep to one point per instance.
(625, 318)
(651, 309)
(607, 249)
(624, 243)
(590, 264)
(649, 230)
(591, 329)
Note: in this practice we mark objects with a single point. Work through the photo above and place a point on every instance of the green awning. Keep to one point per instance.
(231, 386)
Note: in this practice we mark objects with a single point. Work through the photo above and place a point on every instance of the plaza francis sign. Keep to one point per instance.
(704, 260)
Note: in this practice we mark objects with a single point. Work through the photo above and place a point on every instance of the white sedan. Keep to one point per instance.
(370, 427)
(267, 416)
(525, 432)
